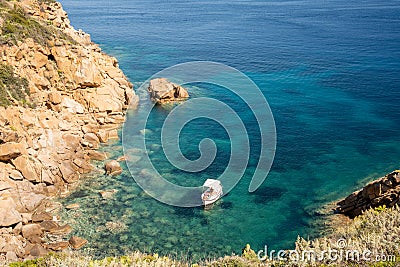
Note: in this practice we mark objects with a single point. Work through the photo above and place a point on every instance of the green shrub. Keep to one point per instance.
(40, 262)
(380, 208)
(12, 87)
(249, 254)
(18, 26)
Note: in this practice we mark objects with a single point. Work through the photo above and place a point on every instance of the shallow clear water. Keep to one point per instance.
(331, 73)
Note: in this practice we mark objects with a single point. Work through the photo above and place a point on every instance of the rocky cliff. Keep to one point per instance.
(382, 192)
(61, 96)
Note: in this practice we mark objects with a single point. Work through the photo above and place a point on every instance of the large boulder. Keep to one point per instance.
(32, 232)
(88, 74)
(9, 214)
(9, 135)
(96, 155)
(27, 168)
(68, 171)
(28, 201)
(11, 245)
(72, 106)
(39, 60)
(41, 216)
(71, 141)
(101, 101)
(49, 226)
(55, 97)
(90, 140)
(16, 175)
(163, 91)
(11, 150)
(37, 251)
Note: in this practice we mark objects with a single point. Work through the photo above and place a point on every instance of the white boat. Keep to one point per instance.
(212, 191)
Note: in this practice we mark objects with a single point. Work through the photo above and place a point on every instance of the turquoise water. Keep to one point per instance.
(330, 71)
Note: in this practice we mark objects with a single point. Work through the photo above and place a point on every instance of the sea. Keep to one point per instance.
(330, 71)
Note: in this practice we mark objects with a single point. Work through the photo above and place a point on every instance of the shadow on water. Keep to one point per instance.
(188, 212)
(266, 194)
(226, 205)
(79, 194)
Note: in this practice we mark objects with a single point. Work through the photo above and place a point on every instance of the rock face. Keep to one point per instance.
(9, 215)
(384, 191)
(163, 91)
(27, 168)
(10, 151)
(80, 98)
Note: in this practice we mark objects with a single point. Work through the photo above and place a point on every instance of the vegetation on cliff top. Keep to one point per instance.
(12, 87)
(377, 230)
(17, 26)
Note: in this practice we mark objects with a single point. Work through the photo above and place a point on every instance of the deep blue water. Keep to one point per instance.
(330, 71)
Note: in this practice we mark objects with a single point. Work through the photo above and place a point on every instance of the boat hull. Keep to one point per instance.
(212, 199)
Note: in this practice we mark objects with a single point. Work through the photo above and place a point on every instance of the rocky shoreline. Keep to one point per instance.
(76, 98)
(383, 192)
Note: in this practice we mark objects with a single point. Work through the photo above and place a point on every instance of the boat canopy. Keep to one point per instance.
(212, 183)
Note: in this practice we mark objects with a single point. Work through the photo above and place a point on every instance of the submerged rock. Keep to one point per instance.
(163, 91)
(145, 131)
(113, 167)
(116, 227)
(73, 206)
(49, 226)
(62, 230)
(58, 246)
(108, 194)
(42, 216)
(77, 242)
